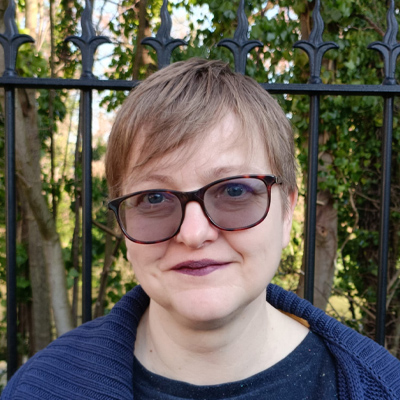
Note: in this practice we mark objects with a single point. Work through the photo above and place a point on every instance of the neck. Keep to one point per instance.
(208, 353)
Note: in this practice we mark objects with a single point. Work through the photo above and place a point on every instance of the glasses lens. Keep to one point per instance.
(237, 203)
(151, 216)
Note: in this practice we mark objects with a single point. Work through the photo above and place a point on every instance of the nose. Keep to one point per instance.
(196, 230)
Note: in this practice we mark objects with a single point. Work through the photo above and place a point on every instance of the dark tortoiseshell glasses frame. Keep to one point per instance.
(198, 197)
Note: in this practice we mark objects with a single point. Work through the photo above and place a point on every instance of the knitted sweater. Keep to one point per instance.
(95, 360)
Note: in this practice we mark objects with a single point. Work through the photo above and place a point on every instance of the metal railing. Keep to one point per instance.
(164, 44)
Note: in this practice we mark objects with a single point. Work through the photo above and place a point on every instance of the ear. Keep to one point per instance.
(288, 218)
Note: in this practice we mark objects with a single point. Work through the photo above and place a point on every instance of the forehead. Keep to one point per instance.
(223, 150)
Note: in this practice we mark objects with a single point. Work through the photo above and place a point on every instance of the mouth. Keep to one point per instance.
(199, 267)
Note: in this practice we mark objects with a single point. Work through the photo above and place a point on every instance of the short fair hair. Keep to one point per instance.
(176, 105)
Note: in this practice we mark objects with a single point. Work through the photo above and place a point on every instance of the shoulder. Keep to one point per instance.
(85, 363)
(362, 365)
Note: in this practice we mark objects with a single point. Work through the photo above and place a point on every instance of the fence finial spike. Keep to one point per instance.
(164, 33)
(243, 24)
(315, 47)
(389, 47)
(11, 40)
(318, 25)
(390, 37)
(86, 21)
(239, 45)
(88, 41)
(163, 43)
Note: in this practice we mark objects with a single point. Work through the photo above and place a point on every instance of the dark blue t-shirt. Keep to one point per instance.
(308, 372)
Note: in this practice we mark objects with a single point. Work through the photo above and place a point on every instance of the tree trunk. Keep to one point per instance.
(28, 169)
(110, 252)
(31, 15)
(325, 250)
(40, 335)
(41, 314)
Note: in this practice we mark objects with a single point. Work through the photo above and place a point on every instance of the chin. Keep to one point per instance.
(209, 307)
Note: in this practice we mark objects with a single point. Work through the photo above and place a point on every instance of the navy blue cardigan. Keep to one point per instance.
(94, 361)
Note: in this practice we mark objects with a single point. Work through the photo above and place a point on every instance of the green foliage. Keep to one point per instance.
(31, 63)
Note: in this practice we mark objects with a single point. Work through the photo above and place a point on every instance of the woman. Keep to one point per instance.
(201, 167)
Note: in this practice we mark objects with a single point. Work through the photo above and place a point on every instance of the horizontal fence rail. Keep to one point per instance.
(164, 44)
(273, 88)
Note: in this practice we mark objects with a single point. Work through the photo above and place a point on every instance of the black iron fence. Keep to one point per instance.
(164, 44)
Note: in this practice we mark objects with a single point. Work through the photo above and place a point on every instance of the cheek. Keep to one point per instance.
(264, 246)
(144, 257)
(260, 260)
(259, 246)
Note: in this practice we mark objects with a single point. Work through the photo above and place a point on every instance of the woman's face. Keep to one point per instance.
(237, 266)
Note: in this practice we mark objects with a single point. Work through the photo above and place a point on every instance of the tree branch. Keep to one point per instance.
(373, 25)
(107, 230)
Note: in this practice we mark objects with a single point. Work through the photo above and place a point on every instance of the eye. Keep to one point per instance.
(147, 200)
(236, 190)
(154, 198)
(154, 203)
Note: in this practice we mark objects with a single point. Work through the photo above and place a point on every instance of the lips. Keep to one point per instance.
(199, 267)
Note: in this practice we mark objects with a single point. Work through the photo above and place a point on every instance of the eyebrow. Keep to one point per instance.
(208, 176)
(225, 171)
(155, 178)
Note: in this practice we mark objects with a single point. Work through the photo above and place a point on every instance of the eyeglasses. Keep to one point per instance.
(230, 204)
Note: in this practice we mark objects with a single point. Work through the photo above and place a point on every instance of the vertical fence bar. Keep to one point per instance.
(88, 43)
(87, 206)
(11, 235)
(311, 212)
(315, 48)
(384, 220)
(10, 40)
(389, 49)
